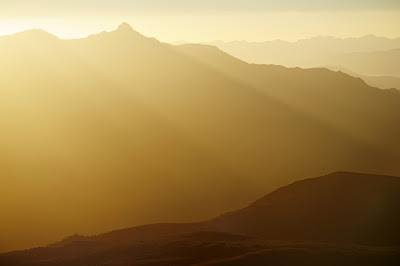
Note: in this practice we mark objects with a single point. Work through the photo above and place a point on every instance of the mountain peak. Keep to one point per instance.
(124, 27)
(124, 32)
(33, 34)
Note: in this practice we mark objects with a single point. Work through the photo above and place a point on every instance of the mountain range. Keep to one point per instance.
(384, 82)
(368, 55)
(338, 219)
(116, 129)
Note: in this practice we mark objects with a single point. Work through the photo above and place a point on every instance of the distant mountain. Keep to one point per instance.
(394, 91)
(383, 82)
(119, 129)
(338, 219)
(34, 35)
(385, 63)
(369, 55)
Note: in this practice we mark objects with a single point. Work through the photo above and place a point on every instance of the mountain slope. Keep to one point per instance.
(118, 128)
(341, 207)
(352, 109)
(354, 217)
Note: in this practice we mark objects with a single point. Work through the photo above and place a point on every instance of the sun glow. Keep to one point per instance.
(226, 26)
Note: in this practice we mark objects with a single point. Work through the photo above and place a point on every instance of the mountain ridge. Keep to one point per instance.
(93, 124)
(33, 33)
(205, 243)
(368, 55)
(340, 176)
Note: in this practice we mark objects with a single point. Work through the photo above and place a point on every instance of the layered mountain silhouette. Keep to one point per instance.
(118, 128)
(368, 55)
(383, 82)
(372, 63)
(339, 219)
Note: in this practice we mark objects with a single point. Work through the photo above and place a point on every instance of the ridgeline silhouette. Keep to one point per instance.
(338, 219)
(116, 129)
(368, 55)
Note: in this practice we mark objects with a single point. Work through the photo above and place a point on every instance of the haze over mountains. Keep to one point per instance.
(368, 55)
(116, 129)
(383, 82)
(338, 219)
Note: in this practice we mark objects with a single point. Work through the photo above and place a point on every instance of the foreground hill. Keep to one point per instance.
(338, 219)
(341, 207)
(118, 128)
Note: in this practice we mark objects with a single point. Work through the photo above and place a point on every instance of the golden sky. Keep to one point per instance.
(196, 21)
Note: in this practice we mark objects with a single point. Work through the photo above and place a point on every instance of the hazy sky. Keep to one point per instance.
(206, 20)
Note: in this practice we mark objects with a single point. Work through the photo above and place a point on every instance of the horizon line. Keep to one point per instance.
(211, 41)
